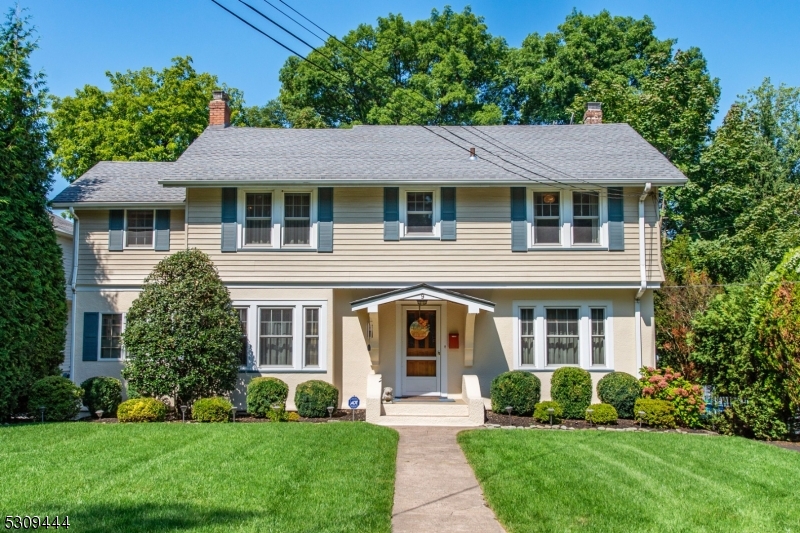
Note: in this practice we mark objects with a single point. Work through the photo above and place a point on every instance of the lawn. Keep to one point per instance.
(201, 477)
(629, 482)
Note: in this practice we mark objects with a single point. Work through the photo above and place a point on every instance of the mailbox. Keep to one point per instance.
(453, 341)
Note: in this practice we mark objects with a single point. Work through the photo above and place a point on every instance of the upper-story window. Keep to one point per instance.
(567, 219)
(139, 227)
(419, 212)
(546, 217)
(585, 217)
(271, 220)
(258, 218)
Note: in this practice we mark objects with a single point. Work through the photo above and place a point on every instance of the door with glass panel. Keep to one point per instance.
(421, 354)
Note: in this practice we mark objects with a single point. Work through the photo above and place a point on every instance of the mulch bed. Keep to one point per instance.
(527, 421)
(342, 415)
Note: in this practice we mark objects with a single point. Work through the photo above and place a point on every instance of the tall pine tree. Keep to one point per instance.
(33, 313)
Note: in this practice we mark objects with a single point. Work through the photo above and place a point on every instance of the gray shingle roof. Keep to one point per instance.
(603, 153)
(61, 225)
(110, 182)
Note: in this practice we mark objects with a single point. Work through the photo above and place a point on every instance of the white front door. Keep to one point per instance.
(421, 355)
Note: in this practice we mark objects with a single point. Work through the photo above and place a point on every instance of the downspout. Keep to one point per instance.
(637, 306)
(76, 227)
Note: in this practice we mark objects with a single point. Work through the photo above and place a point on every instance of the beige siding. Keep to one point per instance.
(481, 253)
(96, 265)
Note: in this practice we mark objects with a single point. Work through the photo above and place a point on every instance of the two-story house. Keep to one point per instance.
(425, 259)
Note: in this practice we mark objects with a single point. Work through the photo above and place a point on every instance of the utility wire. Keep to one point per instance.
(276, 8)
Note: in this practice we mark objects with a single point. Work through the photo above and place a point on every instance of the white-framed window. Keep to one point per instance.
(551, 334)
(277, 219)
(139, 227)
(419, 213)
(284, 336)
(567, 219)
(111, 325)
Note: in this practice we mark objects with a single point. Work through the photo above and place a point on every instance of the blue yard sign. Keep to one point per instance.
(354, 402)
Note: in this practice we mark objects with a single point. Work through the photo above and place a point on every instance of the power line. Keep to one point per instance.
(276, 8)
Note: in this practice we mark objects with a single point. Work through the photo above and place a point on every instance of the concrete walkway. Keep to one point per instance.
(435, 489)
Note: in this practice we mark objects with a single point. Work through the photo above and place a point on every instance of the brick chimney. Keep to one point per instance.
(219, 114)
(593, 113)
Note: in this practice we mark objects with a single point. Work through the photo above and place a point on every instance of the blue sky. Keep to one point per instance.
(80, 40)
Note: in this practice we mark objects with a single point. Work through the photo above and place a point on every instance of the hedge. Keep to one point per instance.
(572, 388)
(60, 398)
(313, 398)
(216, 409)
(519, 389)
(142, 410)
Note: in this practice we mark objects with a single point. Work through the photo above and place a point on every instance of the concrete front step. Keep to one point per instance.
(426, 409)
(441, 421)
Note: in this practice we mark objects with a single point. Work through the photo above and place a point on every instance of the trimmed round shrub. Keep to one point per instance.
(60, 398)
(263, 393)
(312, 398)
(572, 388)
(657, 413)
(141, 410)
(540, 413)
(216, 409)
(102, 393)
(518, 389)
(602, 413)
(293, 417)
(620, 390)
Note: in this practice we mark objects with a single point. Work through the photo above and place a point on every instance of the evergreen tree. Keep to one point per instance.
(34, 313)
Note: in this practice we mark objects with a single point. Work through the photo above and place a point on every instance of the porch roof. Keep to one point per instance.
(423, 291)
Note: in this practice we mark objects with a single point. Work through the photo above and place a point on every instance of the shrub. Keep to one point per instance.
(182, 336)
(216, 409)
(572, 388)
(263, 393)
(686, 397)
(518, 389)
(293, 417)
(312, 398)
(141, 410)
(620, 390)
(60, 398)
(540, 412)
(602, 413)
(102, 393)
(657, 413)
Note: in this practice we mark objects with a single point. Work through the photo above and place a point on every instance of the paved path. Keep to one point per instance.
(435, 489)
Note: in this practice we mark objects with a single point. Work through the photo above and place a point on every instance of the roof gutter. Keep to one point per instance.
(73, 282)
(643, 276)
(434, 182)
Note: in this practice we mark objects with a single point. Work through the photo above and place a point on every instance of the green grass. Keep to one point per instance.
(201, 477)
(593, 481)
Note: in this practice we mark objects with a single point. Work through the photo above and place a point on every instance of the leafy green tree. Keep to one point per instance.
(182, 336)
(33, 315)
(668, 97)
(446, 69)
(147, 115)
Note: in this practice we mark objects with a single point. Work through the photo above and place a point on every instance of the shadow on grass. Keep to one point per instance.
(149, 517)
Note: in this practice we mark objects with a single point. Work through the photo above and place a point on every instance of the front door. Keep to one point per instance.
(421, 361)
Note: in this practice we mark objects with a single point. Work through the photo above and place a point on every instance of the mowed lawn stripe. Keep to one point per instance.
(609, 482)
(202, 477)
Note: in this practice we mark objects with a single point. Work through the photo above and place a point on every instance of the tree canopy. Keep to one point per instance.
(34, 313)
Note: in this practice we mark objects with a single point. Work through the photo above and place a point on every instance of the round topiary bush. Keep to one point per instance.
(102, 393)
(572, 388)
(263, 393)
(541, 414)
(655, 413)
(60, 398)
(518, 389)
(620, 390)
(216, 409)
(141, 410)
(312, 398)
(602, 413)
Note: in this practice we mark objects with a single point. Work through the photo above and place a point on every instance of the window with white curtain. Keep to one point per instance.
(563, 337)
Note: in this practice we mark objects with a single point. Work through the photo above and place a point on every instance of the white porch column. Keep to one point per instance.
(469, 335)
(373, 335)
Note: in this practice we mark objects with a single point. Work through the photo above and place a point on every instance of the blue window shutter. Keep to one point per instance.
(616, 219)
(325, 213)
(519, 224)
(391, 214)
(448, 213)
(161, 237)
(228, 236)
(91, 332)
(116, 229)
